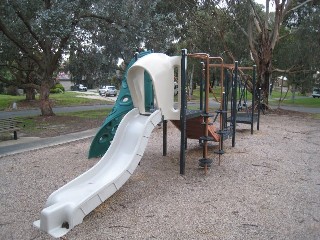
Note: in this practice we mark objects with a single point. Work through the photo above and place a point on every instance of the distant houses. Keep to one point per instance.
(65, 79)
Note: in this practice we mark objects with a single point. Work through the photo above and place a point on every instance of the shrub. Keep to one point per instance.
(59, 85)
(58, 88)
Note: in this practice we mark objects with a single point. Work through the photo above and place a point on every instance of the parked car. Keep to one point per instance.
(316, 93)
(175, 88)
(108, 91)
(81, 87)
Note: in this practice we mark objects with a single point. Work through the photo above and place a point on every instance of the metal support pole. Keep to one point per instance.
(15, 135)
(201, 86)
(259, 108)
(234, 110)
(226, 100)
(183, 111)
(253, 95)
(205, 161)
(165, 137)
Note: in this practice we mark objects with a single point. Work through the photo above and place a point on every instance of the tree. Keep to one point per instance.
(17, 71)
(41, 30)
(263, 35)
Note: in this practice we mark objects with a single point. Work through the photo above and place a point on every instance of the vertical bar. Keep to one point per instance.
(201, 86)
(206, 105)
(259, 108)
(234, 110)
(226, 87)
(253, 95)
(183, 111)
(165, 137)
(15, 135)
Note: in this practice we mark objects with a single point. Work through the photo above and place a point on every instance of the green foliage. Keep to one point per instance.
(93, 114)
(304, 102)
(6, 101)
(58, 88)
(31, 125)
(66, 99)
(74, 99)
(95, 34)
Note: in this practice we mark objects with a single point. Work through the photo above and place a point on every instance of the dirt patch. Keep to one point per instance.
(282, 112)
(59, 125)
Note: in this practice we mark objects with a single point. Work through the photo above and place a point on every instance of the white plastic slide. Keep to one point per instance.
(66, 207)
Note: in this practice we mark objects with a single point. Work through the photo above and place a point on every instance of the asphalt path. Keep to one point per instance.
(37, 112)
(300, 109)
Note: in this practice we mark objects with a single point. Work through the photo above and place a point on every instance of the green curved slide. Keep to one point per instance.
(122, 106)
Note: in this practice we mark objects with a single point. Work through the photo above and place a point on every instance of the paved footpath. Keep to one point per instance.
(36, 112)
(301, 109)
(32, 143)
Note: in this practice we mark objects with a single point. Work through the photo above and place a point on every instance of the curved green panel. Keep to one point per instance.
(122, 106)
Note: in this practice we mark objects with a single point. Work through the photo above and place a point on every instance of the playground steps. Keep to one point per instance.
(195, 128)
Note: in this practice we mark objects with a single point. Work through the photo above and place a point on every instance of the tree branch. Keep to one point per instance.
(296, 7)
(288, 34)
(25, 22)
(291, 70)
(19, 44)
(30, 85)
(256, 19)
(16, 68)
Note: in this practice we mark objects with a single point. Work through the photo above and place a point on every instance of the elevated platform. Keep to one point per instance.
(245, 118)
(195, 128)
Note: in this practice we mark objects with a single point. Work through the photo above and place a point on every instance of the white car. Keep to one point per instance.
(316, 93)
(81, 87)
(108, 91)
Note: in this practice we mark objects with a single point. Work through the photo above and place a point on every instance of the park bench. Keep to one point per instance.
(9, 125)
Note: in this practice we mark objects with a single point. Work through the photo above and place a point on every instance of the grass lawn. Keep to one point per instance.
(65, 99)
(300, 100)
(305, 102)
(62, 123)
(6, 101)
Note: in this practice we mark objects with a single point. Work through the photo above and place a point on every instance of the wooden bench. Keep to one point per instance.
(9, 125)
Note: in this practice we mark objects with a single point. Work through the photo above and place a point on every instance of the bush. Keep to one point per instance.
(59, 85)
(58, 88)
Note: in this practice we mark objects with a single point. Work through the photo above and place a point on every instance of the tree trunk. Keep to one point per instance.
(30, 94)
(265, 59)
(265, 87)
(45, 105)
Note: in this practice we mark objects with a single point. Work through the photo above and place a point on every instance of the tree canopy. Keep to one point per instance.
(95, 34)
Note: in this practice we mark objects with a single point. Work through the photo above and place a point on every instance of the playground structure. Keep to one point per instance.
(198, 124)
(122, 106)
(66, 207)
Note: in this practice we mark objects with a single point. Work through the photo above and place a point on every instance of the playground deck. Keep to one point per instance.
(243, 117)
(195, 128)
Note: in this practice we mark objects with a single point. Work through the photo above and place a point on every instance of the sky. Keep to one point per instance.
(263, 2)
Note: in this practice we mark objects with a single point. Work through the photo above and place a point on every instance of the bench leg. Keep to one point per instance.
(15, 135)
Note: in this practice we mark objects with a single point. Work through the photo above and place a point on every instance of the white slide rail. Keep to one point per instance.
(67, 206)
